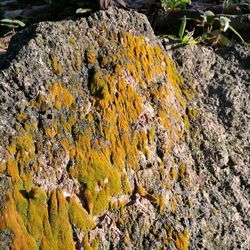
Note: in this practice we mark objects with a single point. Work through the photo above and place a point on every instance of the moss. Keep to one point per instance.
(86, 243)
(125, 184)
(88, 200)
(36, 212)
(12, 169)
(79, 217)
(13, 221)
(58, 209)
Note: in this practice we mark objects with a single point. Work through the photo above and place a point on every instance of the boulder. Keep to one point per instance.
(93, 125)
(110, 142)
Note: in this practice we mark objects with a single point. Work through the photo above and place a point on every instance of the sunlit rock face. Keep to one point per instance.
(102, 140)
(92, 121)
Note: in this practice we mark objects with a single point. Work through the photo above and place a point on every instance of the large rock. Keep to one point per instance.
(105, 146)
(93, 124)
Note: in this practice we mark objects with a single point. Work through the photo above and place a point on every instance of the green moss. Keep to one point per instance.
(58, 209)
(79, 217)
(36, 211)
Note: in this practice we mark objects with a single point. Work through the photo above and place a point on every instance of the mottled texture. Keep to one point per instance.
(98, 128)
(93, 123)
(220, 145)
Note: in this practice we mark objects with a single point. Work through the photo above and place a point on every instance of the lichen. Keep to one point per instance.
(56, 66)
(79, 217)
(99, 146)
(61, 96)
(182, 240)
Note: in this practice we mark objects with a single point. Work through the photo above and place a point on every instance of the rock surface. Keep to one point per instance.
(104, 145)
(220, 144)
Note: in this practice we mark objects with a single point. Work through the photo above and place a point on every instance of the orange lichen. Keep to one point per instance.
(102, 144)
(41, 103)
(61, 96)
(52, 130)
(91, 56)
(141, 190)
(182, 240)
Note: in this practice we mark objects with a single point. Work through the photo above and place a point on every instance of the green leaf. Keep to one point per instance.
(224, 41)
(172, 37)
(82, 11)
(12, 22)
(236, 33)
(224, 23)
(185, 38)
(182, 27)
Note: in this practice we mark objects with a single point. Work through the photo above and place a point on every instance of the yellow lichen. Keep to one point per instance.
(21, 117)
(182, 240)
(182, 170)
(52, 130)
(91, 56)
(174, 174)
(192, 113)
(101, 149)
(72, 40)
(141, 191)
(56, 66)
(61, 96)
